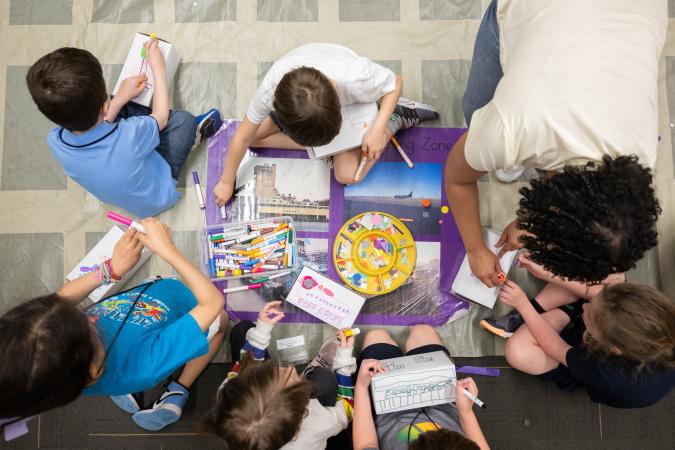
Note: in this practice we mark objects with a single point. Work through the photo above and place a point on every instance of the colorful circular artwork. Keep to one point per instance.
(374, 253)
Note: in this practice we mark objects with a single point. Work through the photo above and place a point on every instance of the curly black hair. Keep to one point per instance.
(590, 221)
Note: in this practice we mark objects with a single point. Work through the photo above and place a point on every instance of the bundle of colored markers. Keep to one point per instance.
(250, 248)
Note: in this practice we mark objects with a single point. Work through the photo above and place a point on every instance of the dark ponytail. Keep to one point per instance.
(47, 346)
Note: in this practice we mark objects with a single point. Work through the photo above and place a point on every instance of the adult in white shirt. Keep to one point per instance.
(568, 87)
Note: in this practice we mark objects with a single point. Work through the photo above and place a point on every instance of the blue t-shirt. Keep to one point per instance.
(158, 337)
(118, 164)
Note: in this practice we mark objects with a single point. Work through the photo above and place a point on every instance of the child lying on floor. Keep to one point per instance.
(52, 351)
(618, 345)
(298, 105)
(262, 405)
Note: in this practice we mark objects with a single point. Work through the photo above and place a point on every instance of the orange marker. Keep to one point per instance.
(501, 276)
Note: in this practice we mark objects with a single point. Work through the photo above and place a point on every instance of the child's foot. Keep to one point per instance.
(325, 357)
(129, 403)
(503, 326)
(166, 410)
(207, 124)
(409, 113)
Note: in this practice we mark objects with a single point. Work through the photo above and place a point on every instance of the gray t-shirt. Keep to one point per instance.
(394, 429)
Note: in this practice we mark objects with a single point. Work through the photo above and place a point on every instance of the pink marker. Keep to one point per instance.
(126, 221)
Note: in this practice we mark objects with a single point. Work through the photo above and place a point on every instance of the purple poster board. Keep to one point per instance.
(428, 149)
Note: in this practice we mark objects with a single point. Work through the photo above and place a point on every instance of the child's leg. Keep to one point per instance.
(524, 353)
(421, 336)
(553, 296)
(269, 135)
(378, 344)
(195, 367)
(176, 140)
(169, 407)
(345, 165)
(325, 385)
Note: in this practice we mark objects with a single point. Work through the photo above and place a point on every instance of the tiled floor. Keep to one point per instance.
(48, 222)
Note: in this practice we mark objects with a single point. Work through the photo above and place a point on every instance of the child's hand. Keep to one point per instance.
(271, 314)
(535, 269)
(374, 143)
(223, 192)
(155, 58)
(345, 342)
(509, 239)
(369, 368)
(485, 266)
(464, 404)
(512, 294)
(132, 87)
(126, 253)
(157, 237)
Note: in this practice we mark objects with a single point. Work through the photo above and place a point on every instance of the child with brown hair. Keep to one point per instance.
(262, 405)
(298, 105)
(619, 345)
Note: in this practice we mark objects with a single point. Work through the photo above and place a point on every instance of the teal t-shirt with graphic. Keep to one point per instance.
(159, 337)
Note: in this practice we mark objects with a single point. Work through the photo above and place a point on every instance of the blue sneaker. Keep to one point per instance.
(165, 411)
(128, 402)
(207, 124)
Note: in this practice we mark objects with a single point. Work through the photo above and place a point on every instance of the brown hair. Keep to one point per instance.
(307, 106)
(442, 440)
(67, 86)
(256, 411)
(637, 322)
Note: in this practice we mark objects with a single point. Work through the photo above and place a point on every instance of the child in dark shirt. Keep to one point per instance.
(618, 345)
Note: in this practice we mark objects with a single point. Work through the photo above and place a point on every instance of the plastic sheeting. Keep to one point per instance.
(48, 222)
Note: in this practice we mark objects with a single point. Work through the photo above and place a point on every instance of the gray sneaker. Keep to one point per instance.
(410, 113)
(325, 357)
(503, 326)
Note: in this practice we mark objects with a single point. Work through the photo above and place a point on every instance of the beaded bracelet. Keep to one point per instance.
(106, 274)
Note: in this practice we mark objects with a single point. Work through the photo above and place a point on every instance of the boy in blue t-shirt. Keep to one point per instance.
(52, 351)
(131, 161)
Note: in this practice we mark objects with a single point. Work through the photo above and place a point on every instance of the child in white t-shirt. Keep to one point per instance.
(298, 105)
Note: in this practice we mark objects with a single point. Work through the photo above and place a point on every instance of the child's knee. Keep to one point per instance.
(343, 176)
(517, 353)
(378, 335)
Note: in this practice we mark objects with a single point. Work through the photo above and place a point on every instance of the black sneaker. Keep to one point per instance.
(503, 326)
(207, 124)
(412, 113)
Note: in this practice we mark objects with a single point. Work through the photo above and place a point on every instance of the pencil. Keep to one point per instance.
(398, 147)
(362, 166)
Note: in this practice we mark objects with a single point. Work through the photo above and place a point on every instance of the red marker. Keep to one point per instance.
(501, 276)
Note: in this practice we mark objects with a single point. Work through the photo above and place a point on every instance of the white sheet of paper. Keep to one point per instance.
(135, 65)
(357, 119)
(413, 382)
(103, 250)
(325, 299)
(467, 286)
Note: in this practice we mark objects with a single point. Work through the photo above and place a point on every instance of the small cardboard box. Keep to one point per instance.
(102, 251)
(414, 382)
(135, 64)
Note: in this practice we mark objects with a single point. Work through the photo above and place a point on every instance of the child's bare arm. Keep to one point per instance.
(210, 301)
(467, 418)
(546, 336)
(126, 254)
(160, 97)
(375, 141)
(364, 431)
(129, 88)
(240, 143)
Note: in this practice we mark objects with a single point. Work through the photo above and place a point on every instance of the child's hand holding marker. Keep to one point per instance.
(346, 341)
(132, 87)
(369, 368)
(126, 253)
(271, 314)
(513, 295)
(466, 394)
(154, 55)
(157, 237)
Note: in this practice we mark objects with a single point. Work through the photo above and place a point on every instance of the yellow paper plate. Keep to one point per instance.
(374, 253)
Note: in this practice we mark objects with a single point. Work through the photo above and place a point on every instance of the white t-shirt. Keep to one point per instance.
(580, 82)
(320, 423)
(359, 80)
